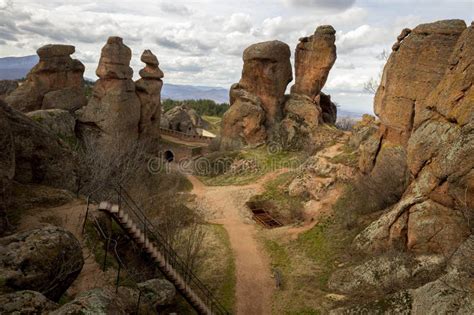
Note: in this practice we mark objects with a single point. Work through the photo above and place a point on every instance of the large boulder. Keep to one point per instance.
(56, 72)
(149, 93)
(112, 115)
(266, 74)
(422, 57)
(314, 57)
(40, 156)
(7, 168)
(26, 302)
(46, 260)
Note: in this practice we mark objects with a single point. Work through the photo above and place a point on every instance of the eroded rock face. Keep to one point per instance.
(56, 72)
(244, 122)
(113, 113)
(40, 156)
(315, 55)
(423, 57)
(149, 93)
(46, 260)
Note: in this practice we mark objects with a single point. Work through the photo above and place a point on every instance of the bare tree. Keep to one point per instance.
(372, 84)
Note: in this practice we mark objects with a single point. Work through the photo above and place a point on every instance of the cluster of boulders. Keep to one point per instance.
(120, 111)
(260, 111)
(425, 103)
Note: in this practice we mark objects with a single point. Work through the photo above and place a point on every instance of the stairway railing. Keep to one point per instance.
(138, 216)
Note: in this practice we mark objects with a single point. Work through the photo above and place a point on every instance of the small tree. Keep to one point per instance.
(372, 84)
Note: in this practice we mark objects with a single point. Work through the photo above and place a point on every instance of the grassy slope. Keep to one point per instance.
(307, 262)
(266, 162)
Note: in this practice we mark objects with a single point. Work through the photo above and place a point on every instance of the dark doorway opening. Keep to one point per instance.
(169, 156)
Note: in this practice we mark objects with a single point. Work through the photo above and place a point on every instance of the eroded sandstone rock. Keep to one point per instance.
(423, 57)
(113, 113)
(149, 93)
(59, 122)
(56, 72)
(315, 55)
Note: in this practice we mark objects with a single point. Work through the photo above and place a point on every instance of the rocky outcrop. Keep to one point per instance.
(112, 115)
(422, 57)
(425, 104)
(56, 73)
(46, 260)
(149, 93)
(307, 107)
(436, 208)
(40, 157)
(26, 302)
(314, 57)
(257, 100)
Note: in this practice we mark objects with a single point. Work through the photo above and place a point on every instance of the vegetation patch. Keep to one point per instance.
(218, 168)
(202, 107)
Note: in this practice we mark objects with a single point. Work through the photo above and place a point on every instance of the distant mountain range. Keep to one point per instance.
(13, 68)
(186, 92)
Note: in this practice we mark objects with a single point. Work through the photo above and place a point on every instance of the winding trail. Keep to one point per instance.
(226, 205)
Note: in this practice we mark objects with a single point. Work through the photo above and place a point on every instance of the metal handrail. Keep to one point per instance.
(170, 255)
(172, 258)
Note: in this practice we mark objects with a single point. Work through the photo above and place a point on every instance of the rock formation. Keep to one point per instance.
(422, 57)
(307, 106)
(60, 122)
(55, 82)
(314, 57)
(149, 93)
(112, 116)
(46, 260)
(260, 111)
(257, 100)
(426, 107)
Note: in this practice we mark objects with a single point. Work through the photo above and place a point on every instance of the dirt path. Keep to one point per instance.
(226, 205)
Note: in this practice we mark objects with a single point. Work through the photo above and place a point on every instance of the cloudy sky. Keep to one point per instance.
(200, 42)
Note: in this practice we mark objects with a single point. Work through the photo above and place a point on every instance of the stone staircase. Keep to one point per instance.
(187, 284)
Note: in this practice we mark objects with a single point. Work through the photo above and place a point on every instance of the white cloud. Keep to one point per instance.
(325, 4)
(238, 22)
(201, 42)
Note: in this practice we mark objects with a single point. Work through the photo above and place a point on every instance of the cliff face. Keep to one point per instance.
(426, 107)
